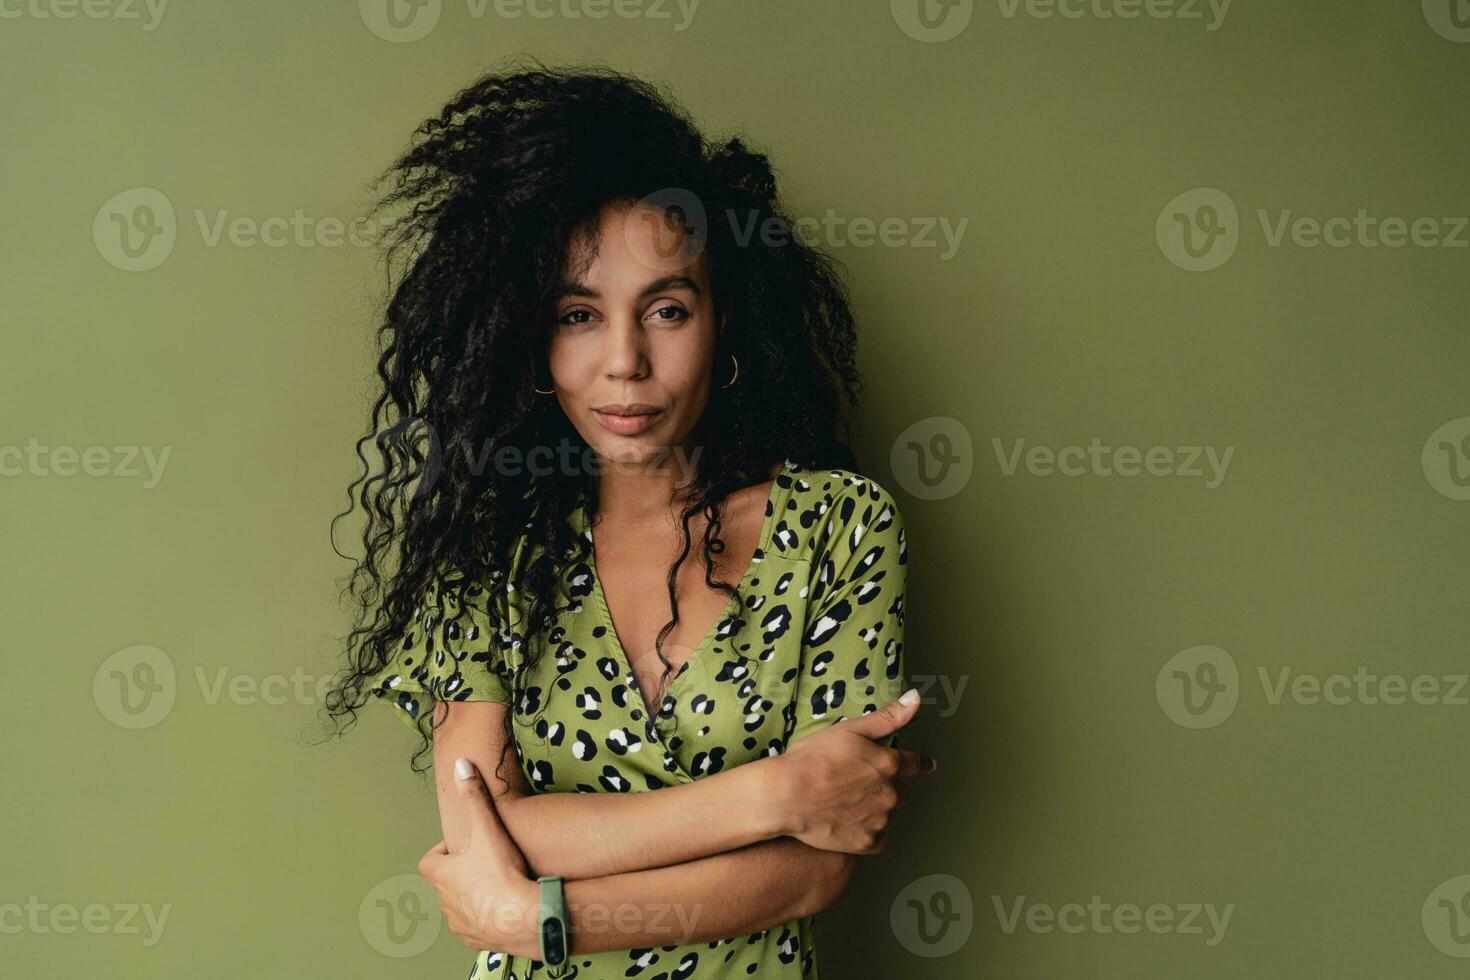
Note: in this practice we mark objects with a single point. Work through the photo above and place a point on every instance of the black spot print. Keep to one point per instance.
(585, 750)
(613, 781)
(621, 741)
(776, 623)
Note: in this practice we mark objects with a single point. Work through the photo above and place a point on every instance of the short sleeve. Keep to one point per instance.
(448, 652)
(852, 649)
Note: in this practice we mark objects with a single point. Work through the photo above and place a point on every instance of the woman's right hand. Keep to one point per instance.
(840, 786)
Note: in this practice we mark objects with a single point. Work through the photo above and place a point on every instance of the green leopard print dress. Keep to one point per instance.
(815, 635)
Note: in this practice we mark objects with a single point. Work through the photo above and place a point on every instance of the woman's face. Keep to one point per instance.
(633, 339)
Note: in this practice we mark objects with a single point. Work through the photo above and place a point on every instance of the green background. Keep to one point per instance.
(1055, 600)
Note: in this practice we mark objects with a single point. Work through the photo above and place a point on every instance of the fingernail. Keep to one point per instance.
(463, 769)
(911, 696)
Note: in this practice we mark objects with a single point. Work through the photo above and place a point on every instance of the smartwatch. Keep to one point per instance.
(553, 922)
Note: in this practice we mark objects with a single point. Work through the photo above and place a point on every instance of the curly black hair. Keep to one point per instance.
(492, 190)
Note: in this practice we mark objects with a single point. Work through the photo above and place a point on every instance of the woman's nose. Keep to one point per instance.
(623, 354)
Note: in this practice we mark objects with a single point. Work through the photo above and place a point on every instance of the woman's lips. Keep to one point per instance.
(627, 425)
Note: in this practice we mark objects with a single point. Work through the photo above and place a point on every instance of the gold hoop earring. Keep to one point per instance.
(733, 376)
(549, 391)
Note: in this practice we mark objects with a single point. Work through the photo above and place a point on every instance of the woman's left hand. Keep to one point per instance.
(488, 899)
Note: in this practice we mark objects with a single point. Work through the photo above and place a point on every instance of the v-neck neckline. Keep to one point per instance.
(736, 603)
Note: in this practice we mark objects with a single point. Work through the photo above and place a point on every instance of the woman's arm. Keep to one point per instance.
(491, 903)
(833, 791)
(732, 894)
(589, 835)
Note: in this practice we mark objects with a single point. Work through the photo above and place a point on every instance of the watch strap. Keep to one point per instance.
(552, 921)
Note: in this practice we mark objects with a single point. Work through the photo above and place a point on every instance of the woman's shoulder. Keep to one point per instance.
(827, 511)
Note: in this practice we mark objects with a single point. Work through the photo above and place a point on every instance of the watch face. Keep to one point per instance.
(553, 942)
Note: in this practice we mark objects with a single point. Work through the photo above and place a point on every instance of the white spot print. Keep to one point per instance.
(825, 626)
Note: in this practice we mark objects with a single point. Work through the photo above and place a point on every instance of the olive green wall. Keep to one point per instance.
(1177, 413)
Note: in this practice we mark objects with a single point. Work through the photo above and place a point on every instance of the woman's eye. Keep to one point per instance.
(571, 317)
(671, 314)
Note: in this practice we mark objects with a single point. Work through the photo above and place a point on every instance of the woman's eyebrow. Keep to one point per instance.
(670, 282)
(566, 289)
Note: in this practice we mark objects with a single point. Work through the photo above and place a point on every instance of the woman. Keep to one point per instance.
(606, 370)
